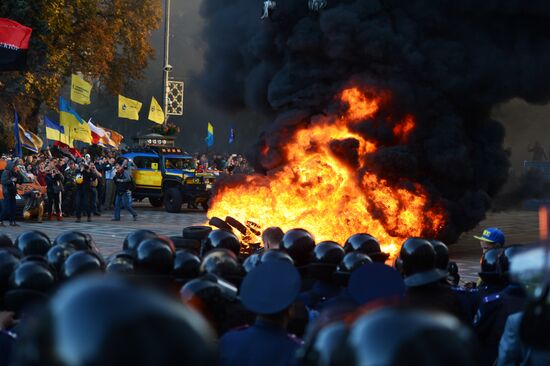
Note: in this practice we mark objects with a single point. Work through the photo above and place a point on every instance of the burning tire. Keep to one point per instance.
(220, 224)
(236, 224)
(156, 201)
(173, 200)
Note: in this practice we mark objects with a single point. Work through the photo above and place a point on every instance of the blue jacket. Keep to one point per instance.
(261, 344)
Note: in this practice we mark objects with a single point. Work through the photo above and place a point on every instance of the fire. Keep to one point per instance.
(317, 191)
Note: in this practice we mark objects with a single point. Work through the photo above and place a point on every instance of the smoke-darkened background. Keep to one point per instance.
(451, 64)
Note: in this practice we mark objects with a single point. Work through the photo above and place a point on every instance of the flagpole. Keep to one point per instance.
(167, 66)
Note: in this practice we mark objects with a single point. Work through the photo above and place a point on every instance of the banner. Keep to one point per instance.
(75, 127)
(14, 45)
(156, 114)
(56, 132)
(210, 135)
(80, 90)
(18, 149)
(29, 140)
(128, 108)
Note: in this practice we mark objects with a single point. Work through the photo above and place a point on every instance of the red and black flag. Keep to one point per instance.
(14, 44)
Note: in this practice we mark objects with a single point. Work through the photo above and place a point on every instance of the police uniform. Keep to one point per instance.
(492, 314)
(267, 290)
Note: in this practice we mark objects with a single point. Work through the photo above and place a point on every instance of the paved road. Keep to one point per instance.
(519, 227)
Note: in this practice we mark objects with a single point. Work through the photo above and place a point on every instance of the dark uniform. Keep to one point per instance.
(261, 344)
(491, 317)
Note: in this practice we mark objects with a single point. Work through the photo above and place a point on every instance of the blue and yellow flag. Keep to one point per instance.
(75, 127)
(210, 136)
(56, 132)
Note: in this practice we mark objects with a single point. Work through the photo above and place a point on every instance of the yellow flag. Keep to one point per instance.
(80, 90)
(128, 108)
(156, 114)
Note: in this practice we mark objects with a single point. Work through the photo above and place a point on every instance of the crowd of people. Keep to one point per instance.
(196, 299)
(82, 186)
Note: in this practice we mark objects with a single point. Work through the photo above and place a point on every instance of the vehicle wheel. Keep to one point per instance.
(173, 200)
(156, 201)
(196, 232)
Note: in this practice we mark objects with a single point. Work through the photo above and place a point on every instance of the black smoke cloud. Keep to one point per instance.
(447, 62)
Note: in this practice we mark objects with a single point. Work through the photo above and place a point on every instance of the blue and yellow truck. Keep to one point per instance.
(168, 176)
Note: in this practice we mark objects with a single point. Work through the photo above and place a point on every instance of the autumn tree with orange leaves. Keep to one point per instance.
(106, 40)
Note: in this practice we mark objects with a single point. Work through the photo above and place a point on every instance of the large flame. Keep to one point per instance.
(317, 191)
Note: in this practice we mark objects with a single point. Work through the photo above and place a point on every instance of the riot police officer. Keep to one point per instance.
(269, 290)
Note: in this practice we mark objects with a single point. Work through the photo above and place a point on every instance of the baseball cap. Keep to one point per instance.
(492, 235)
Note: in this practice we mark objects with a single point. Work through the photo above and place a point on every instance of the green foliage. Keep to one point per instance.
(106, 40)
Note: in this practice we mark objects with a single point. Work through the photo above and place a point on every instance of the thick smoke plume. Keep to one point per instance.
(446, 62)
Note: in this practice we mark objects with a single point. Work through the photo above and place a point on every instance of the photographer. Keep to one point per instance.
(54, 184)
(84, 180)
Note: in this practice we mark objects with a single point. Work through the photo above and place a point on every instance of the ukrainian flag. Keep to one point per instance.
(56, 132)
(210, 135)
(75, 127)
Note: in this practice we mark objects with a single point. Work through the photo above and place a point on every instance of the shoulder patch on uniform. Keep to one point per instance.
(491, 298)
(458, 289)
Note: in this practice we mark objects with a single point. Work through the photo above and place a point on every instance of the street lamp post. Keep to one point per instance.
(167, 66)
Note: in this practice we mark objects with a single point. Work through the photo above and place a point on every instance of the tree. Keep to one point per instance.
(106, 40)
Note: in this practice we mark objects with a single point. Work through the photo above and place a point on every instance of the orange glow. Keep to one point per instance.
(317, 191)
(404, 128)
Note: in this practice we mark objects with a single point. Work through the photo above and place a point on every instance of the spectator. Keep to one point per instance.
(123, 194)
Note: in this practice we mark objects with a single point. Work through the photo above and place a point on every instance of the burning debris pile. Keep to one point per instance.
(381, 110)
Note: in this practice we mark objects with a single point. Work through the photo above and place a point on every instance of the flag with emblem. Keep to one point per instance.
(29, 140)
(128, 108)
(80, 90)
(156, 114)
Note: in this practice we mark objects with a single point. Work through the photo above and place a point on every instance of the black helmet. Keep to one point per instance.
(328, 347)
(506, 256)
(441, 255)
(221, 239)
(276, 255)
(30, 282)
(135, 237)
(120, 266)
(251, 262)
(154, 257)
(186, 266)
(490, 270)
(33, 243)
(81, 263)
(57, 255)
(97, 322)
(222, 263)
(392, 336)
(367, 244)
(196, 232)
(77, 240)
(417, 263)
(5, 241)
(326, 257)
(8, 261)
(350, 263)
(299, 244)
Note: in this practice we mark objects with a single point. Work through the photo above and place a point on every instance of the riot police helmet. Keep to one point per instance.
(416, 261)
(33, 243)
(367, 244)
(299, 244)
(221, 239)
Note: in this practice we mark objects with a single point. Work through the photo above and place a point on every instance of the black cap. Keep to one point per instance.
(270, 288)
